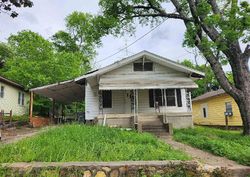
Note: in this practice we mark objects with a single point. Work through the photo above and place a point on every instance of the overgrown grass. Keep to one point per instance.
(230, 144)
(87, 143)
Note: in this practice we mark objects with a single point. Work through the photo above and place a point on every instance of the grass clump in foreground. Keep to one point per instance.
(88, 143)
(230, 144)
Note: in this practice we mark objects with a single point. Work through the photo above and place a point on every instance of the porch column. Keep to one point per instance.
(137, 103)
(165, 106)
(31, 105)
(53, 110)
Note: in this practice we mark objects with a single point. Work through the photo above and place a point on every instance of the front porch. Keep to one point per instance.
(145, 109)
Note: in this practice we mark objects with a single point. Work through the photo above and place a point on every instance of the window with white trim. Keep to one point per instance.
(21, 98)
(204, 111)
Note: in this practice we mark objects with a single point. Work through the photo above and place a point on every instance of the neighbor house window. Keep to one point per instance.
(2, 92)
(172, 95)
(107, 99)
(229, 107)
(204, 111)
(143, 66)
(21, 98)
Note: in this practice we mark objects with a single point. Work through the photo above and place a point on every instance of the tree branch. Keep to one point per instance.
(170, 15)
(214, 6)
(207, 52)
(246, 53)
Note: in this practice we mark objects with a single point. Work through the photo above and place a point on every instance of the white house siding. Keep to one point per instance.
(92, 102)
(10, 100)
(161, 77)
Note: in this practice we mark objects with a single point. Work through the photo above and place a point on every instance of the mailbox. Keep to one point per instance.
(228, 114)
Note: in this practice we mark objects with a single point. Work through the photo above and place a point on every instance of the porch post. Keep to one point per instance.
(53, 108)
(137, 104)
(165, 106)
(31, 105)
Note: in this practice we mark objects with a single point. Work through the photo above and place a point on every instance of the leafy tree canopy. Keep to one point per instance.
(6, 6)
(35, 63)
(5, 53)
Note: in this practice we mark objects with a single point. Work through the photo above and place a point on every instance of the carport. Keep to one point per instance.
(62, 92)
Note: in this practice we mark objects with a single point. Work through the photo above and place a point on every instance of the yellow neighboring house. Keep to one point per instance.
(13, 97)
(209, 109)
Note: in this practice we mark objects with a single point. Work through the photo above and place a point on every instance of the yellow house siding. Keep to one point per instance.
(216, 109)
(10, 100)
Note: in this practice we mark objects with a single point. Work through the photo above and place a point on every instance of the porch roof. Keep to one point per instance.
(145, 83)
(64, 92)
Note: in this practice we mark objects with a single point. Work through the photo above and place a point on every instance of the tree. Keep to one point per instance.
(63, 41)
(219, 29)
(206, 84)
(34, 63)
(6, 6)
(5, 53)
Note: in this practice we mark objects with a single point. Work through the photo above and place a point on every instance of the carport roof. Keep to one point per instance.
(64, 92)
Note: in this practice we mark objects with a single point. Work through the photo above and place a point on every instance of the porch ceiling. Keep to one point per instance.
(145, 83)
(64, 92)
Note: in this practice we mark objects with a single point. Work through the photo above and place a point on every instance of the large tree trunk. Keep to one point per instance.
(244, 107)
(240, 69)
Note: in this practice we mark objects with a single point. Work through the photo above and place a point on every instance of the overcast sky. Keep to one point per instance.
(47, 17)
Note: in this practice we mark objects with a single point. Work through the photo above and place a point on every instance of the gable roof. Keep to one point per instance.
(153, 57)
(209, 95)
(10, 82)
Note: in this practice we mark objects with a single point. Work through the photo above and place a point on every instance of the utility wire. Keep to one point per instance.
(130, 43)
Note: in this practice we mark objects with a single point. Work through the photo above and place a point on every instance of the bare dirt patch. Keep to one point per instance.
(14, 134)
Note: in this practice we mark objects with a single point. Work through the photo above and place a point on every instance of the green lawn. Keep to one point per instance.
(88, 143)
(230, 144)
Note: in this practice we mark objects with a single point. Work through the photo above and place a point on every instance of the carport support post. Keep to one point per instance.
(31, 105)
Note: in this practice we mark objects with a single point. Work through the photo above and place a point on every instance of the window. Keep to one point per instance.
(204, 111)
(21, 98)
(229, 107)
(170, 94)
(107, 99)
(157, 95)
(178, 94)
(146, 66)
(2, 92)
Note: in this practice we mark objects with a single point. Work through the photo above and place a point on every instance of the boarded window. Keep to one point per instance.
(147, 66)
(229, 107)
(170, 94)
(107, 98)
(179, 100)
(2, 92)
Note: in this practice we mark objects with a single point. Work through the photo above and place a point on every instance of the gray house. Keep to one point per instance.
(143, 89)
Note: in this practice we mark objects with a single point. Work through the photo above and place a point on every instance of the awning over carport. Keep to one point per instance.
(64, 92)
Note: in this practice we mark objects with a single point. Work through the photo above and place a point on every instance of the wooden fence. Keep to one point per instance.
(5, 117)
